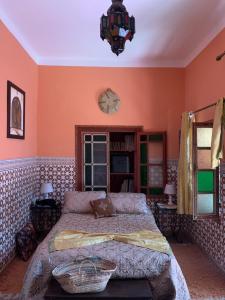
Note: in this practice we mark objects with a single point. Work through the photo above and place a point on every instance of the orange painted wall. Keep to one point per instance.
(68, 96)
(205, 78)
(18, 67)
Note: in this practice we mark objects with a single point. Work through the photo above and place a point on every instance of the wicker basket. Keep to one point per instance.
(86, 275)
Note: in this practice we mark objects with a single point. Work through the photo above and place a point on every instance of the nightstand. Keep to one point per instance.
(167, 219)
(44, 214)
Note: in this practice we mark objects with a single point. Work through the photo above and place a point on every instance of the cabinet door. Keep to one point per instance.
(152, 164)
(95, 162)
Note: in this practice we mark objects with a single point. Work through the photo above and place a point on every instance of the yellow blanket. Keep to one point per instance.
(74, 239)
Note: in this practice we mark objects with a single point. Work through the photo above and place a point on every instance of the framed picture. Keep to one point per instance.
(15, 111)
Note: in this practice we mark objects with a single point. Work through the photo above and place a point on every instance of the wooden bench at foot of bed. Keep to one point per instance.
(116, 289)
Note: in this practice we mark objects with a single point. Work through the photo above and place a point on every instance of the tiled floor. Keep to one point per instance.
(11, 279)
(204, 279)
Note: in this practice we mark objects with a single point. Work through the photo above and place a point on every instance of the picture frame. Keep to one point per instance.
(15, 111)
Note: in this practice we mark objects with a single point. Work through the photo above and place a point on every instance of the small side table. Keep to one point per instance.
(167, 219)
(44, 215)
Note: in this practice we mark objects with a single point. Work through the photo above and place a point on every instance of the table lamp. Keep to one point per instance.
(170, 191)
(46, 188)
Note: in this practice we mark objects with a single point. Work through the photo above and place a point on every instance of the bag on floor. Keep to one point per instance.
(26, 241)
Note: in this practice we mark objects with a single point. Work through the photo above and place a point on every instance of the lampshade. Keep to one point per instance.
(170, 189)
(46, 188)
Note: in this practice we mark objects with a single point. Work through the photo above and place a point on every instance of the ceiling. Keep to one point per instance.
(169, 33)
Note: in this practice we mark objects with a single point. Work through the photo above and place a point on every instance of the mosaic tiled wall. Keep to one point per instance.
(172, 171)
(210, 235)
(166, 222)
(61, 172)
(171, 178)
(18, 186)
(20, 182)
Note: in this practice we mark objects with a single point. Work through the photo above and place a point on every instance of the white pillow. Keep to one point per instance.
(129, 203)
(79, 202)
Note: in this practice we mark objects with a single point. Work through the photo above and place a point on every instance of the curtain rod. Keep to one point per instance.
(219, 57)
(205, 107)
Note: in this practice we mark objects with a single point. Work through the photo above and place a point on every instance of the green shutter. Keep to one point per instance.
(205, 181)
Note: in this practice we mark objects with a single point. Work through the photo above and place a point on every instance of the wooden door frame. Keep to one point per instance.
(80, 129)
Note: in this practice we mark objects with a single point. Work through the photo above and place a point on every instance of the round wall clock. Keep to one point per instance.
(109, 102)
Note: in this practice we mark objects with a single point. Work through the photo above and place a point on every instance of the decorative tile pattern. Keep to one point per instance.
(60, 172)
(155, 176)
(20, 181)
(209, 235)
(171, 178)
(172, 166)
(18, 187)
(166, 220)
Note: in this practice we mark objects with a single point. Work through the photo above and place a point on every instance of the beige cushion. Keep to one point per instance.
(79, 202)
(129, 203)
(103, 208)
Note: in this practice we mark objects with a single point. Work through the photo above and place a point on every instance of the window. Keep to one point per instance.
(206, 179)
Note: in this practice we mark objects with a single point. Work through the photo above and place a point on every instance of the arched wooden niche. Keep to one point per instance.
(16, 113)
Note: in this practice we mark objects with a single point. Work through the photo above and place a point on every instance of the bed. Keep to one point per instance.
(162, 270)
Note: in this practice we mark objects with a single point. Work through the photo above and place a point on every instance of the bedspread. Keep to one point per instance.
(161, 269)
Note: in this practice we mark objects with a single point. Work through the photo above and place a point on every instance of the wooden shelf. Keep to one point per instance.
(121, 173)
(130, 151)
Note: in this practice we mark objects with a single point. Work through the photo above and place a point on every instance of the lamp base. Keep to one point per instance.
(45, 196)
(170, 200)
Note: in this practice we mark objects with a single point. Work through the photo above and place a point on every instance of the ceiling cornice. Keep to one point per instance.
(117, 63)
(204, 43)
(22, 41)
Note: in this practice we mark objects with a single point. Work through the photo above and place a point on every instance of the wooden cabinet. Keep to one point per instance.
(44, 215)
(152, 164)
(121, 159)
(95, 163)
(167, 219)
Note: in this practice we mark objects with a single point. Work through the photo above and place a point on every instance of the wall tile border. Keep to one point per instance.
(10, 164)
